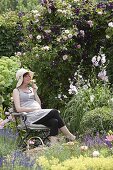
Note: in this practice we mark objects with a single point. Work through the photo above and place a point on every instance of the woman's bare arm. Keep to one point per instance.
(34, 86)
(37, 98)
(16, 100)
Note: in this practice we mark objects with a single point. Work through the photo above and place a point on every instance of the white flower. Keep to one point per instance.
(96, 154)
(46, 48)
(59, 96)
(90, 23)
(102, 75)
(65, 96)
(37, 20)
(100, 12)
(18, 53)
(70, 35)
(103, 59)
(36, 15)
(107, 36)
(82, 32)
(66, 31)
(38, 37)
(111, 99)
(92, 98)
(30, 36)
(58, 39)
(75, 73)
(64, 11)
(37, 56)
(64, 37)
(59, 10)
(34, 11)
(69, 6)
(110, 24)
(94, 59)
(72, 89)
(47, 31)
(76, 0)
(96, 64)
(84, 148)
(98, 58)
(64, 48)
(65, 57)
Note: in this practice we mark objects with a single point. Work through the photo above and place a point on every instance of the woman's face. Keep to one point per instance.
(26, 78)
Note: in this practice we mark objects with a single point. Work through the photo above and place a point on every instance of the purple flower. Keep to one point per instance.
(77, 11)
(21, 14)
(109, 6)
(101, 5)
(1, 160)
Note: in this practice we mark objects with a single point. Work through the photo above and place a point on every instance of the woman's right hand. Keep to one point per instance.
(34, 86)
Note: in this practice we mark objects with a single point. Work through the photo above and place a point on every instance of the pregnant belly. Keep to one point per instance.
(32, 104)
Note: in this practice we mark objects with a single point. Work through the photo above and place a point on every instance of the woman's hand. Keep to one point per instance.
(34, 86)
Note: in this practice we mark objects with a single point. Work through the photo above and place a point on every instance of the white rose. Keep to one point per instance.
(98, 58)
(18, 54)
(94, 59)
(107, 36)
(66, 31)
(110, 24)
(45, 48)
(70, 35)
(65, 57)
(96, 154)
(38, 37)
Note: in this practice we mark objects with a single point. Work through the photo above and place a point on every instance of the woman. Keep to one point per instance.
(26, 100)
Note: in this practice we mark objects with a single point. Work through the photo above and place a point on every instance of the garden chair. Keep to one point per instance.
(38, 132)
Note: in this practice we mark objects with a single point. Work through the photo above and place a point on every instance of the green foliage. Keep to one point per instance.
(85, 100)
(8, 68)
(97, 120)
(10, 34)
(26, 5)
(76, 163)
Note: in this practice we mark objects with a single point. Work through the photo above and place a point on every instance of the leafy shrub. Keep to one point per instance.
(85, 100)
(8, 68)
(97, 120)
(10, 33)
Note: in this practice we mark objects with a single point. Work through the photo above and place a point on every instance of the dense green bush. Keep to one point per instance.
(26, 5)
(97, 120)
(8, 68)
(84, 101)
(10, 34)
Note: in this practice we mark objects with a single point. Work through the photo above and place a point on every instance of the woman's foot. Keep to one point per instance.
(71, 137)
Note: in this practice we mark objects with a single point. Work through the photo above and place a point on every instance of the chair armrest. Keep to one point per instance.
(16, 114)
(19, 113)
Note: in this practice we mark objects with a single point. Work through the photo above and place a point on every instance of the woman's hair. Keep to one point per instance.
(26, 74)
